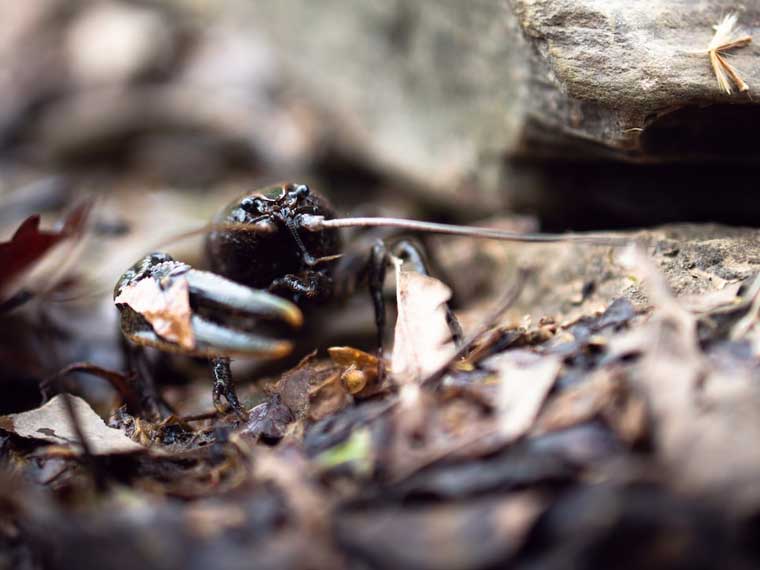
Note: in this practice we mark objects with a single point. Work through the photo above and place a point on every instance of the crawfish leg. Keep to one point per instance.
(224, 386)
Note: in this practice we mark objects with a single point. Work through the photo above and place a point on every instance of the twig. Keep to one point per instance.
(119, 381)
(200, 417)
(509, 298)
(98, 475)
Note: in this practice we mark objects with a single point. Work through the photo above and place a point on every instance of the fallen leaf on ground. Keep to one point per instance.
(327, 398)
(604, 395)
(422, 344)
(479, 533)
(168, 311)
(29, 244)
(268, 421)
(525, 379)
(422, 339)
(51, 423)
(356, 451)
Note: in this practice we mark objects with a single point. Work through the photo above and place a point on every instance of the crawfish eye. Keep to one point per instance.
(297, 192)
(253, 204)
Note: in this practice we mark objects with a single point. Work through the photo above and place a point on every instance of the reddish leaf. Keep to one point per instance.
(29, 244)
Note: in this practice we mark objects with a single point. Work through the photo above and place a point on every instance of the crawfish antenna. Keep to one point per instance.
(317, 223)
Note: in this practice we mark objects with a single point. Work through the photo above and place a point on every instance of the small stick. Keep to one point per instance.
(200, 417)
(98, 475)
(120, 382)
(317, 223)
(507, 300)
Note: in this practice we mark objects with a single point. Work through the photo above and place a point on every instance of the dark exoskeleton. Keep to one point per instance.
(266, 268)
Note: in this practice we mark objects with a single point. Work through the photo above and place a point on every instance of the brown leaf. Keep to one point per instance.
(525, 380)
(422, 340)
(297, 387)
(328, 398)
(604, 394)
(168, 311)
(360, 373)
(51, 423)
(477, 533)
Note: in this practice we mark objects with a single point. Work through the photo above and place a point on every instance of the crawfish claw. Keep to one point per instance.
(221, 311)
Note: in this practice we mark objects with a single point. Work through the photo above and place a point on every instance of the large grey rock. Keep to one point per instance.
(635, 77)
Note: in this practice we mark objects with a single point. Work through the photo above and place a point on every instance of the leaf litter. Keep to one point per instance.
(649, 407)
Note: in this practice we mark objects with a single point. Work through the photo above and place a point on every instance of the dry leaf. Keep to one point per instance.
(603, 395)
(360, 373)
(422, 339)
(51, 423)
(327, 398)
(747, 327)
(30, 244)
(525, 380)
(167, 311)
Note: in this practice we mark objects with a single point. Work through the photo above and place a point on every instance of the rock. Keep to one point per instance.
(572, 280)
(439, 94)
(635, 78)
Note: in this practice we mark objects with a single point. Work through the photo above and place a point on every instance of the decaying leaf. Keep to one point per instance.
(356, 451)
(477, 533)
(327, 398)
(422, 340)
(748, 327)
(267, 421)
(311, 388)
(525, 379)
(603, 395)
(51, 423)
(168, 311)
(705, 419)
(672, 347)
